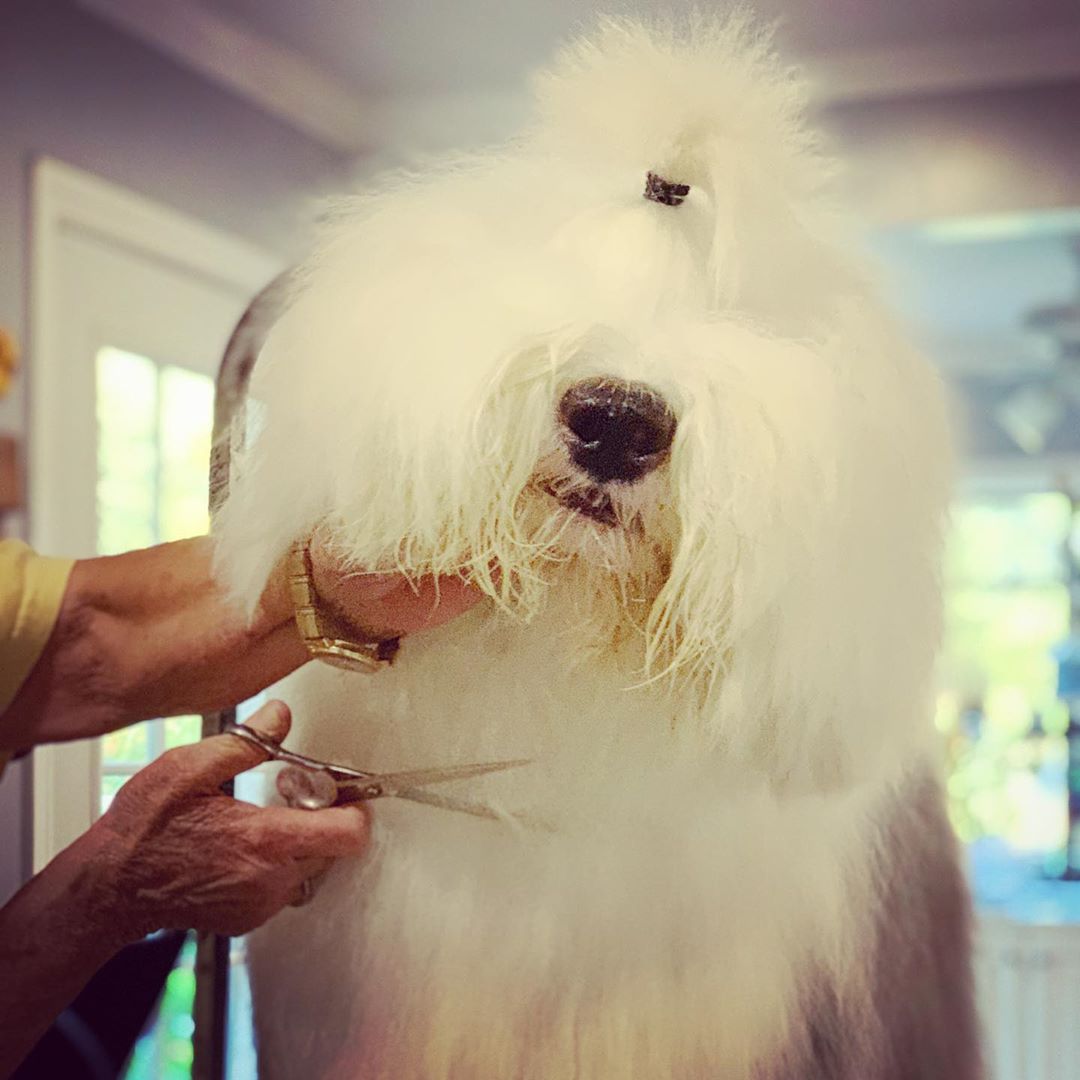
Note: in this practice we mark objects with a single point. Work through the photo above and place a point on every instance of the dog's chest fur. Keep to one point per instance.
(672, 924)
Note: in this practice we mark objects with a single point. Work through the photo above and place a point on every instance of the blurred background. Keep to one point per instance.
(160, 160)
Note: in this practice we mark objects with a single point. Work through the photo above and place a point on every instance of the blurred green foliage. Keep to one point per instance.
(1006, 607)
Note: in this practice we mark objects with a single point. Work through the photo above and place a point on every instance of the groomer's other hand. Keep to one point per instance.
(181, 854)
(154, 633)
(388, 605)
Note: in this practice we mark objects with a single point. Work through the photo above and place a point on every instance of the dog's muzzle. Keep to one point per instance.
(616, 431)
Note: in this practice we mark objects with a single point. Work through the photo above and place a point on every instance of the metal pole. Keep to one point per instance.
(211, 1009)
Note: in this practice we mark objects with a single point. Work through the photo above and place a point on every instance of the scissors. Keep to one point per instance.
(309, 784)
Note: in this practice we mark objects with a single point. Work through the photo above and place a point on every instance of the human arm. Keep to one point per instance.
(153, 633)
(171, 852)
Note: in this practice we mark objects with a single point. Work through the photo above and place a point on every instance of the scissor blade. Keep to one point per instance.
(447, 802)
(397, 783)
(467, 806)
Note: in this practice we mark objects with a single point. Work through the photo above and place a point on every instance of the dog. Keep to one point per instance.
(700, 477)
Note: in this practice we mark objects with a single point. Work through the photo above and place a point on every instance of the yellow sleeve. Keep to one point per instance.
(31, 589)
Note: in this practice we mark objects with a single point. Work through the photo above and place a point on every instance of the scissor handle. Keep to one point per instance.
(306, 789)
(304, 784)
(276, 752)
(268, 746)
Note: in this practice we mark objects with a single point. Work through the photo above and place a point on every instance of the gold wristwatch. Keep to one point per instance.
(325, 636)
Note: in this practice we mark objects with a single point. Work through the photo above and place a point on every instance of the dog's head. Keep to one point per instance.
(519, 369)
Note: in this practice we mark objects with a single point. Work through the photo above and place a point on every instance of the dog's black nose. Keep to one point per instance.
(616, 431)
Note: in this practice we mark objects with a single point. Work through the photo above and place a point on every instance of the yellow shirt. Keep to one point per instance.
(31, 589)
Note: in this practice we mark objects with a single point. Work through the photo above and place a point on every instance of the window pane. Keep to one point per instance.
(1009, 540)
(187, 417)
(180, 730)
(154, 426)
(127, 451)
(1007, 608)
(110, 785)
(999, 650)
(127, 745)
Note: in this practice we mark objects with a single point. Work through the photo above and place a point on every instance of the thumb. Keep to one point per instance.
(272, 720)
(218, 759)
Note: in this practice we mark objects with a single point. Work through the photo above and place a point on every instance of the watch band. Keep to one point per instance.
(324, 637)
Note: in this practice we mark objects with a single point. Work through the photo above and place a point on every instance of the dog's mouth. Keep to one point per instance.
(592, 502)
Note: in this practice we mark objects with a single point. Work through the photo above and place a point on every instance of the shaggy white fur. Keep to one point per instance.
(721, 691)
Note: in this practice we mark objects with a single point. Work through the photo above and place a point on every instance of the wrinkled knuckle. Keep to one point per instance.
(173, 769)
(262, 883)
(171, 761)
(250, 871)
(261, 842)
(130, 793)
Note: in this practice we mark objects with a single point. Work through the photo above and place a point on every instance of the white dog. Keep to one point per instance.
(701, 477)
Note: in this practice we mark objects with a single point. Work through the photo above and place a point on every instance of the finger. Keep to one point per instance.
(210, 763)
(449, 597)
(312, 869)
(330, 833)
(408, 606)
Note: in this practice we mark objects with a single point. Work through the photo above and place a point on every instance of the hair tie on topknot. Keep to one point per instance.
(664, 191)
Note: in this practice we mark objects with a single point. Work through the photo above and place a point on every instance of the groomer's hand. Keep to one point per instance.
(181, 854)
(153, 633)
(387, 604)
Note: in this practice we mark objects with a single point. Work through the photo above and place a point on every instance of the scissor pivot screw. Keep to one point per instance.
(306, 789)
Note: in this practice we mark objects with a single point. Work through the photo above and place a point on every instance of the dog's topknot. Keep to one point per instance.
(665, 192)
(677, 99)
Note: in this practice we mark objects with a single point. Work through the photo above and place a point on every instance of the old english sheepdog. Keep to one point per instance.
(700, 477)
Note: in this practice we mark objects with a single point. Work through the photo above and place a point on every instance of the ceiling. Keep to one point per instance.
(389, 77)
(409, 48)
(380, 79)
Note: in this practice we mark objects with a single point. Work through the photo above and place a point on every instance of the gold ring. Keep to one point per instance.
(307, 893)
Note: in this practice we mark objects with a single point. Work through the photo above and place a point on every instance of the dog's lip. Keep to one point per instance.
(592, 503)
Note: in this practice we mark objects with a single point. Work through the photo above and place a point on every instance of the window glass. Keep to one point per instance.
(184, 446)
(154, 428)
(1007, 611)
(127, 415)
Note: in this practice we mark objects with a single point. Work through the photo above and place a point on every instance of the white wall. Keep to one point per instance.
(73, 88)
(996, 151)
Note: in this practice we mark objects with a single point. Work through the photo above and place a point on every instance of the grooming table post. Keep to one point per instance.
(212, 957)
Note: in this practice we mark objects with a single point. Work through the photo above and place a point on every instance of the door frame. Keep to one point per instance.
(66, 199)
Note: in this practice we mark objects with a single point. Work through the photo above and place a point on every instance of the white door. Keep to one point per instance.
(132, 306)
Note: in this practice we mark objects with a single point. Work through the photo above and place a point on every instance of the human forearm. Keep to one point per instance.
(152, 633)
(171, 852)
(52, 939)
(173, 638)
(149, 633)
